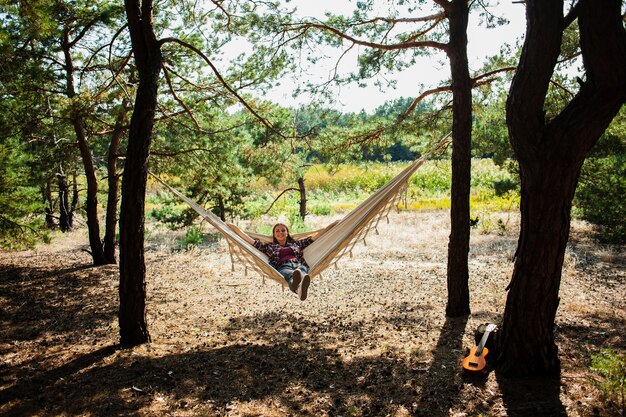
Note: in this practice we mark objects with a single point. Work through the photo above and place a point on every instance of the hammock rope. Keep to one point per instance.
(332, 245)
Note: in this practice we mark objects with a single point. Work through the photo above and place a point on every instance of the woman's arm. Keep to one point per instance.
(241, 233)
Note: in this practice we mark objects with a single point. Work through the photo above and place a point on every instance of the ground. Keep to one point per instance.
(372, 339)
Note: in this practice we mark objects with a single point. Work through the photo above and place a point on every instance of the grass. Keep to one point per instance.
(336, 190)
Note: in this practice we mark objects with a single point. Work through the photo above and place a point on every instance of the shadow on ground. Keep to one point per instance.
(276, 369)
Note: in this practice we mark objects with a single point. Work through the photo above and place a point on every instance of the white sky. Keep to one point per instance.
(412, 81)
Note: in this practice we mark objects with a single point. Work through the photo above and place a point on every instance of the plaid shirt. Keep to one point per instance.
(273, 250)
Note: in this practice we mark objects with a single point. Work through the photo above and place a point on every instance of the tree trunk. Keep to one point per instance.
(148, 59)
(458, 246)
(46, 194)
(75, 199)
(547, 192)
(550, 155)
(93, 223)
(302, 197)
(220, 207)
(110, 240)
(65, 223)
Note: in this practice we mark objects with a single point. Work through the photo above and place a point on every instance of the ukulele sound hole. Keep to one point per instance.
(474, 363)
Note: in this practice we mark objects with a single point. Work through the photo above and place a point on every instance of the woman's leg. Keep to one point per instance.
(303, 288)
(287, 271)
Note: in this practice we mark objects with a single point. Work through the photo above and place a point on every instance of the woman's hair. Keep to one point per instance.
(289, 238)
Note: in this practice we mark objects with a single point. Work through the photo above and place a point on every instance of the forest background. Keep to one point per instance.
(215, 150)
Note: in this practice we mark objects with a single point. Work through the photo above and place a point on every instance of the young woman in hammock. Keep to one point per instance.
(286, 255)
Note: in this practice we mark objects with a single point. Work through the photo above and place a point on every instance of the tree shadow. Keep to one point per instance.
(436, 398)
(56, 301)
(531, 397)
(31, 388)
(290, 369)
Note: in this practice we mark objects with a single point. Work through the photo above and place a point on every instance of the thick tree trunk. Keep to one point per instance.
(550, 155)
(458, 246)
(547, 192)
(148, 59)
(110, 241)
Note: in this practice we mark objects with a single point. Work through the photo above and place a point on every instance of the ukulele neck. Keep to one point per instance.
(483, 341)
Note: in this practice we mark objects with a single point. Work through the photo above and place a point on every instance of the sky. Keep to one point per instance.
(428, 72)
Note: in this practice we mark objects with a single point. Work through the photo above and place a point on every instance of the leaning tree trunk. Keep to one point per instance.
(93, 223)
(148, 59)
(550, 155)
(113, 181)
(458, 246)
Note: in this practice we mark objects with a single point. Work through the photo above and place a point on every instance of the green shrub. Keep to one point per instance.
(340, 188)
(192, 238)
(600, 196)
(503, 186)
(612, 367)
(432, 178)
(171, 212)
(320, 209)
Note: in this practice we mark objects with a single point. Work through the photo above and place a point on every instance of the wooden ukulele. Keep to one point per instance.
(475, 361)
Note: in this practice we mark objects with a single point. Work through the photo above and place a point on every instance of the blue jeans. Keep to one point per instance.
(286, 269)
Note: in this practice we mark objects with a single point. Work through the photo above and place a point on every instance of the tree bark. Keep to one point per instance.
(46, 193)
(93, 223)
(550, 155)
(75, 199)
(148, 59)
(110, 227)
(302, 191)
(458, 246)
(65, 223)
(221, 209)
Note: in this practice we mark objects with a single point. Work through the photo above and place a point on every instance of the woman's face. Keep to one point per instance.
(280, 233)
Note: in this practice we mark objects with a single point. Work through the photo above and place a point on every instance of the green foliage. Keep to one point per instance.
(364, 177)
(612, 367)
(296, 224)
(21, 209)
(336, 189)
(432, 178)
(501, 187)
(192, 238)
(171, 212)
(320, 209)
(490, 138)
(601, 188)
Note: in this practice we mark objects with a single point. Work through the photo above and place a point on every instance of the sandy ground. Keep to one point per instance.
(372, 339)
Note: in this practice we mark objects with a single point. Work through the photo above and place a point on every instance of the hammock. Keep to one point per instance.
(334, 243)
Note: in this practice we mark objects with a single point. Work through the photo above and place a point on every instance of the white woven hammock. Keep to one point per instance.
(334, 243)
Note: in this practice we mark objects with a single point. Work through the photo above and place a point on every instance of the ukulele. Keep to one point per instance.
(475, 361)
